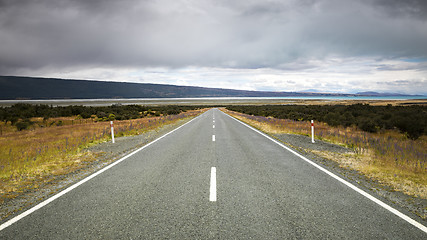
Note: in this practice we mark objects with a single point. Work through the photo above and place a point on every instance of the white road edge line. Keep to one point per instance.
(213, 138)
(212, 190)
(51, 199)
(365, 194)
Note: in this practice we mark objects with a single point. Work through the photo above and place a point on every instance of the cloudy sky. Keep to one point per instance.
(275, 45)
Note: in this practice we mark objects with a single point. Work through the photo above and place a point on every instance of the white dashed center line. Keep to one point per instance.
(212, 194)
(213, 138)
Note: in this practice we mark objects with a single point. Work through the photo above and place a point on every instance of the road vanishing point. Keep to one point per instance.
(213, 178)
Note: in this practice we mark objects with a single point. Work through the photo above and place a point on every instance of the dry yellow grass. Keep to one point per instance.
(392, 158)
(404, 181)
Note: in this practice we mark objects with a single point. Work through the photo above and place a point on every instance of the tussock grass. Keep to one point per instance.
(388, 156)
(33, 156)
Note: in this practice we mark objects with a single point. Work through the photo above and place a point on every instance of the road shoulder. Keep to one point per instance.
(106, 153)
(324, 153)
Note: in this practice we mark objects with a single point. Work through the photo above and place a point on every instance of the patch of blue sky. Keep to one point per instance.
(415, 60)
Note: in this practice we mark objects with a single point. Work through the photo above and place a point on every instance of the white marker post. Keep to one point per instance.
(112, 131)
(312, 131)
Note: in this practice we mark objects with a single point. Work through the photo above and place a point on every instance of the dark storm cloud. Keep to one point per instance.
(403, 8)
(235, 34)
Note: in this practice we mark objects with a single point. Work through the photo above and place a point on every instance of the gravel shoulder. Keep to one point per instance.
(416, 206)
(106, 153)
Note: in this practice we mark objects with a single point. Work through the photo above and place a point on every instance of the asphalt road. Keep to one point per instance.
(164, 191)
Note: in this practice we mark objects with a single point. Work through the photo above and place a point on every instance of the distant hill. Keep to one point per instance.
(379, 94)
(12, 88)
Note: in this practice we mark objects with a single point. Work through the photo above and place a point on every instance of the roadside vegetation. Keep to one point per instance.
(20, 115)
(410, 120)
(53, 142)
(387, 152)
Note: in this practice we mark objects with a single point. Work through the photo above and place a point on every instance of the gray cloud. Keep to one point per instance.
(206, 33)
(403, 8)
(406, 83)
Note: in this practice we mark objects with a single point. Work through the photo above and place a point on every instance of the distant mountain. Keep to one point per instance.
(310, 91)
(12, 88)
(380, 94)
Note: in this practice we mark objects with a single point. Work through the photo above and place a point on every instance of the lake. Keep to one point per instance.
(207, 100)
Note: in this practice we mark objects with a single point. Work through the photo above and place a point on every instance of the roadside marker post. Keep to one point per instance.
(112, 131)
(312, 131)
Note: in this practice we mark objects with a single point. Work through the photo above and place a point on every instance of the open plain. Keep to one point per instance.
(216, 101)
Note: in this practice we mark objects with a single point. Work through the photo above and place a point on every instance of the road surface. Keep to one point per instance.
(213, 178)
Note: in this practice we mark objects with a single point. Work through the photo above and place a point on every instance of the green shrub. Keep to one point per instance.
(23, 125)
